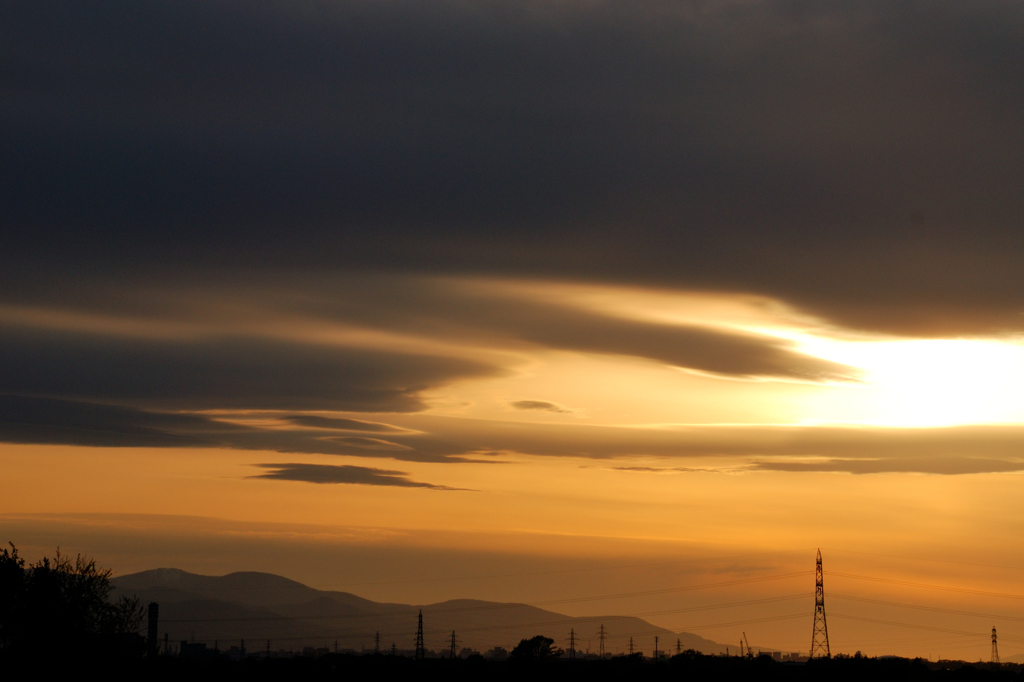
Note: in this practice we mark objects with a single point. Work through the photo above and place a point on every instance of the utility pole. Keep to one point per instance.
(601, 634)
(420, 650)
(572, 645)
(819, 638)
(376, 643)
(153, 635)
(655, 647)
(454, 646)
(995, 647)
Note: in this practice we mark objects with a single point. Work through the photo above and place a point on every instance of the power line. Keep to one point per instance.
(621, 595)
(911, 625)
(894, 581)
(937, 609)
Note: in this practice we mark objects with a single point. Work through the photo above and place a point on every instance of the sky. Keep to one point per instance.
(554, 302)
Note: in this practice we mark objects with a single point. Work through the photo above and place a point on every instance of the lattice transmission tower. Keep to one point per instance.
(995, 646)
(420, 649)
(819, 639)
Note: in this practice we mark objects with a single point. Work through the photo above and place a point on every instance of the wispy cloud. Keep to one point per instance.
(343, 473)
(540, 405)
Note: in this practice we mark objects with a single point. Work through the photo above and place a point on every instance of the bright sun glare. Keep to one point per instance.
(934, 382)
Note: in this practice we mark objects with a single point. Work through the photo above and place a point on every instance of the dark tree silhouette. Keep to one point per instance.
(535, 649)
(62, 606)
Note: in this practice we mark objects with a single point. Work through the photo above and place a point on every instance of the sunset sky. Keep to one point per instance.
(610, 308)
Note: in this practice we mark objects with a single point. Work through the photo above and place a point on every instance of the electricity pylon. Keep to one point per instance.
(420, 649)
(630, 646)
(455, 643)
(602, 632)
(572, 645)
(995, 647)
(819, 638)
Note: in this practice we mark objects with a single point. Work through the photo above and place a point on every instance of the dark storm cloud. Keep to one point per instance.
(221, 372)
(861, 160)
(329, 473)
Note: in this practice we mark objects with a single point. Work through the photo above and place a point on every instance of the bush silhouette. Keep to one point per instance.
(535, 649)
(61, 606)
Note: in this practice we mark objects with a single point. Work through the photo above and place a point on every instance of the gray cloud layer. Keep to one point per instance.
(862, 160)
(221, 372)
(953, 450)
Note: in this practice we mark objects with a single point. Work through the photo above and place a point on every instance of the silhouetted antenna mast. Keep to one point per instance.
(655, 647)
(995, 647)
(420, 650)
(376, 643)
(601, 634)
(455, 643)
(819, 639)
(572, 645)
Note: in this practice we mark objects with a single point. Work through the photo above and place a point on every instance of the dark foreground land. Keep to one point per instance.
(682, 667)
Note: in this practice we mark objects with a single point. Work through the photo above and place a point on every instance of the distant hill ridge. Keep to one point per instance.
(262, 606)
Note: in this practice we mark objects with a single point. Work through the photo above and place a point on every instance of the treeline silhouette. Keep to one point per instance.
(60, 608)
(56, 614)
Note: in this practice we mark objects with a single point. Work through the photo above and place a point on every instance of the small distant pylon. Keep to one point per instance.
(394, 649)
(655, 647)
(572, 645)
(602, 633)
(819, 638)
(995, 646)
(679, 647)
(421, 652)
(376, 643)
(630, 646)
(454, 646)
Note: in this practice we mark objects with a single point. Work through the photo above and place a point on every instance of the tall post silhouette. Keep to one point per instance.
(601, 634)
(454, 651)
(420, 650)
(572, 645)
(655, 647)
(151, 639)
(376, 643)
(995, 646)
(819, 638)
(630, 646)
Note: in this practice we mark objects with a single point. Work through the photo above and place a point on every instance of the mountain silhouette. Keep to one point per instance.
(262, 606)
